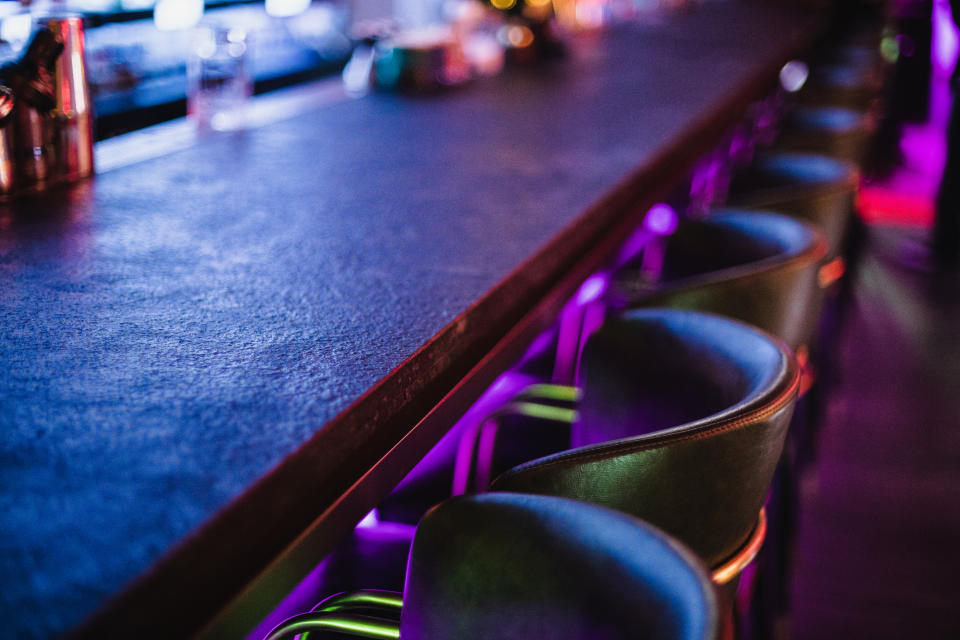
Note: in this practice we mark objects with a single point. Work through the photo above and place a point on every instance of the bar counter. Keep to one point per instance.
(213, 354)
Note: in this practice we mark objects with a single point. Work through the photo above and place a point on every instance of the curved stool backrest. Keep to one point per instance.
(682, 422)
(833, 131)
(513, 567)
(811, 187)
(860, 51)
(756, 267)
(851, 85)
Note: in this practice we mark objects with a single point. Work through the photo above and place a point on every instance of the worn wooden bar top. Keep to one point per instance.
(202, 352)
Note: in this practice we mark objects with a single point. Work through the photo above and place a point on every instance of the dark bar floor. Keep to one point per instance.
(877, 553)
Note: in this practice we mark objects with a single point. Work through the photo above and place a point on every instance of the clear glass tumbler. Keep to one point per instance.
(218, 78)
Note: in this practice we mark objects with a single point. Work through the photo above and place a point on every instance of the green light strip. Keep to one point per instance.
(361, 597)
(558, 392)
(316, 621)
(545, 412)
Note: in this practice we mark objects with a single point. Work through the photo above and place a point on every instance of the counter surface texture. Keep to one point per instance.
(172, 330)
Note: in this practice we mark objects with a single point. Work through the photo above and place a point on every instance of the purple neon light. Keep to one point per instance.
(593, 317)
(739, 145)
(500, 392)
(767, 121)
(463, 463)
(568, 342)
(570, 334)
(314, 587)
(633, 246)
(652, 265)
(592, 288)
(708, 183)
(485, 449)
(369, 521)
(662, 219)
(944, 48)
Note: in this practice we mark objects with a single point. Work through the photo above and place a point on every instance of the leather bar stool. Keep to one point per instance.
(820, 190)
(682, 421)
(849, 85)
(814, 188)
(832, 131)
(508, 566)
(756, 267)
(862, 51)
(761, 269)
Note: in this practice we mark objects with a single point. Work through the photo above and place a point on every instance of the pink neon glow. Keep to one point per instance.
(661, 219)
(907, 196)
(878, 205)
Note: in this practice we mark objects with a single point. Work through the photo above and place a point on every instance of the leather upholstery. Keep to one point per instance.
(811, 187)
(850, 85)
(833, 131)
(507, 566)
(682, 421)
(759, 268)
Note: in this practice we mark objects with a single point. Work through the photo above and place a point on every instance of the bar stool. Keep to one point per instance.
(761, 269)
(756, 267)
(509, 566)
(833, 131)
(849, 85)
(814, 188)
(861, 51)
(681, 424)
(820, 190)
